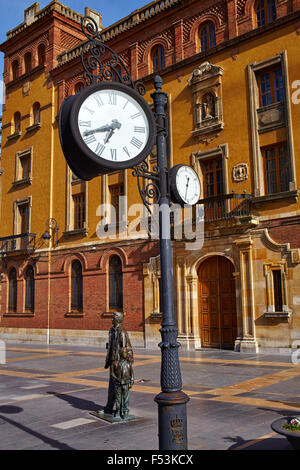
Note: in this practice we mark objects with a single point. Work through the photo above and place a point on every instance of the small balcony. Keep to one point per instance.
(17, 243)
(226, 207)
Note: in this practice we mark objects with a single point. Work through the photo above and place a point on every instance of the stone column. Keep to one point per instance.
(246, 342)
(194, 314)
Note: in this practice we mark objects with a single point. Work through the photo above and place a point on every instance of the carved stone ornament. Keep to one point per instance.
(240, 172)
(26, 88)
(203, 71)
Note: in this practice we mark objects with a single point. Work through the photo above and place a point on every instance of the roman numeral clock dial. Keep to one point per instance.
(184, 185)
(109, 127)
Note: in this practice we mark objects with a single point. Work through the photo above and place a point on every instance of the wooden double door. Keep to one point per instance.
(217, 303)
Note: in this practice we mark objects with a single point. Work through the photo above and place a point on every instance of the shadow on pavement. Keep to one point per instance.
(78, 403)
(10, 409)
(52, 442)
(271, 443)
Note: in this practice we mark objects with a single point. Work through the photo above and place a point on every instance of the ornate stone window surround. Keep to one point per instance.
(218, 152)
(270, 294)
(205, 82)
(19, 180)
(256, 128)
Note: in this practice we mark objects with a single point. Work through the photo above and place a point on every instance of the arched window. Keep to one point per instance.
(115, 283)
(36, 113)
(12, 290)
(41, 54)
(27, 62)
(15, 69)
(265, 12)
(17, 122)
(76, 287)
(158, 58)
(207, 36)
(29, 289)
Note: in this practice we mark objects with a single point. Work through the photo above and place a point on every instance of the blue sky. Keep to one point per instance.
(12, 12)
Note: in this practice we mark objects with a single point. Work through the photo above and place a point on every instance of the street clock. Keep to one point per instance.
(105, 127)
(184, 185)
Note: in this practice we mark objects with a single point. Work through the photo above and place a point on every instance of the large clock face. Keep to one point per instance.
(112, 126)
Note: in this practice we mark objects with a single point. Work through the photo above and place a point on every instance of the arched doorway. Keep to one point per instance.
(217, 303)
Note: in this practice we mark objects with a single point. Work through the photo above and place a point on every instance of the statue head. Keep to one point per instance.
(117, 318)
(124, 353)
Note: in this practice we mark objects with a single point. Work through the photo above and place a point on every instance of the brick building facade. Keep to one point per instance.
(230, 71)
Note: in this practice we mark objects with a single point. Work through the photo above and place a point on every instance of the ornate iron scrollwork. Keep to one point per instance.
(150, 194)
(100, 62)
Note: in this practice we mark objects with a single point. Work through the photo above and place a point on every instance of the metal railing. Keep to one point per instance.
(226, 206)
(21, 242)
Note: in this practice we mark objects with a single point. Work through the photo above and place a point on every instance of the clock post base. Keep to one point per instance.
(172, 422)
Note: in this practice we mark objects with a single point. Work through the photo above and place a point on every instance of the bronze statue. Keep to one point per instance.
(122, 376)
(119, 359)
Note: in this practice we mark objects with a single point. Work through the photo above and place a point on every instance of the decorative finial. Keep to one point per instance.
(158, 83)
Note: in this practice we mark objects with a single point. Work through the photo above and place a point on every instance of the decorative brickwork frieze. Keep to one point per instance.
(219, 11)
(67, 40)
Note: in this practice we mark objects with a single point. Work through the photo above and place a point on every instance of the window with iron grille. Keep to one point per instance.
(76, 287)
(115, 283)
(12, 290)
(29, 289)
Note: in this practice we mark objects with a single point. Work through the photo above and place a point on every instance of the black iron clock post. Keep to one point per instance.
(106, 74)
(171, 401)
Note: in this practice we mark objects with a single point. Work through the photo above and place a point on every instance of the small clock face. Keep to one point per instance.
(114, 124)
(185, 184)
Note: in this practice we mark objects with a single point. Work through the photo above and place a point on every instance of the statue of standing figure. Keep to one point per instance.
(122, 375)
(119, 359)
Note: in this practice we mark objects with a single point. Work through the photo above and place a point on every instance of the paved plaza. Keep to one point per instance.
(47, 394)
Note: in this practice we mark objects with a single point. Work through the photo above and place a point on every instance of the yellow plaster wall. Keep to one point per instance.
(40, 141)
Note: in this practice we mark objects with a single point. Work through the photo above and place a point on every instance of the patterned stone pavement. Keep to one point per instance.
(47, 394)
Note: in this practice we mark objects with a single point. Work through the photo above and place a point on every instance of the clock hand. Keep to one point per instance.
(108, 135)
(187, 184)
(107, 127)
(115, 124)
